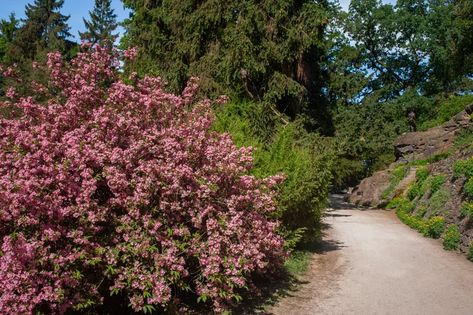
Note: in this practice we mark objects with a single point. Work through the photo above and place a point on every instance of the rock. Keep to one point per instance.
(409, 147)
(424, 144)
(369, 192)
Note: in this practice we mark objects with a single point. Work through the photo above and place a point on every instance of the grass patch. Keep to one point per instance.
(298, 262)
(464, 139)
(396, 177)
(463, 168)
(452, 238)
(436, 183)
(436, 203)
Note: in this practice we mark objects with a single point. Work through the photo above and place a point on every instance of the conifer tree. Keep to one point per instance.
(102, 23)
(8, 30)
(268, 50)
(44, 29)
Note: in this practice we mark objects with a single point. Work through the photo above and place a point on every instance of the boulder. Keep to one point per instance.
(424, 144)
(369, 192)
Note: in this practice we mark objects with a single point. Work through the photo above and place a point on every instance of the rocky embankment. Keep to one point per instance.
(431, 178)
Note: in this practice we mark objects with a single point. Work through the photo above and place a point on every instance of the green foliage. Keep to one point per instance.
(396, 177)
(364, 138)
(466, 209)
(468, 188)
(410, 220)
(395, 203)
(421, 211)
(464, 139)
(382, 50)
(451, 238)
(434, 227)
(414, 191)
(444, 109)
(304, 158)
(308, 175)
(102, 24)
(421, 174)
(463, 168)
(438, 200)
(267, 51)
(44, 29)
(347, 172)
(418, 188)
(8, 29)
(436, 183)
(298, 262)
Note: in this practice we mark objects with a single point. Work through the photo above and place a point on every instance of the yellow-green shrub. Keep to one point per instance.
(434, 227)
(289, 149)
(451, 238)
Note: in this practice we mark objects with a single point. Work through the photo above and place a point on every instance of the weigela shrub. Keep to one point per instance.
(114, 188)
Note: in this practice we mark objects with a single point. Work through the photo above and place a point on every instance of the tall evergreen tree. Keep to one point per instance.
(102, 23)
(267, 50)
(44, 29)
(8, 30)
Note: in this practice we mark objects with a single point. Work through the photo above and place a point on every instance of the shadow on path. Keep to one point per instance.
(282, 285)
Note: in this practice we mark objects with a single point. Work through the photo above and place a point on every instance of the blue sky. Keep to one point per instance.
(77, 9)
(346, 3)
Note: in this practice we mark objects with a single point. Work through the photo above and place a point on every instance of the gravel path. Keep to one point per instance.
(370, 263)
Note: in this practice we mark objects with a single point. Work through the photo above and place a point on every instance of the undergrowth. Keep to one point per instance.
(452, 238)
(303, 158)
(396, 177)
(298, 262)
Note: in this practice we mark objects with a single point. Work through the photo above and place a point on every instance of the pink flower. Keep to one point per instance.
(131, 53)
(11, 93)
(127, 183)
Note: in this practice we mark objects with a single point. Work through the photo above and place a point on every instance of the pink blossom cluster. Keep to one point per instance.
(110, 188)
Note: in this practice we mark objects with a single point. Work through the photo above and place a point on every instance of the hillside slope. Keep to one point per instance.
(431, 183)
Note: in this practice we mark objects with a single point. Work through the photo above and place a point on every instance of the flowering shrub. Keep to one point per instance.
(119, 189)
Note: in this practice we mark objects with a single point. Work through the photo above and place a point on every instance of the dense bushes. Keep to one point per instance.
(365, 132)
(364, 138)
(302, 157)
(435, 227)
(125, 190)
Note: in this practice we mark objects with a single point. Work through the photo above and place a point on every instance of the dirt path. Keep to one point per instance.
(373, 264)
